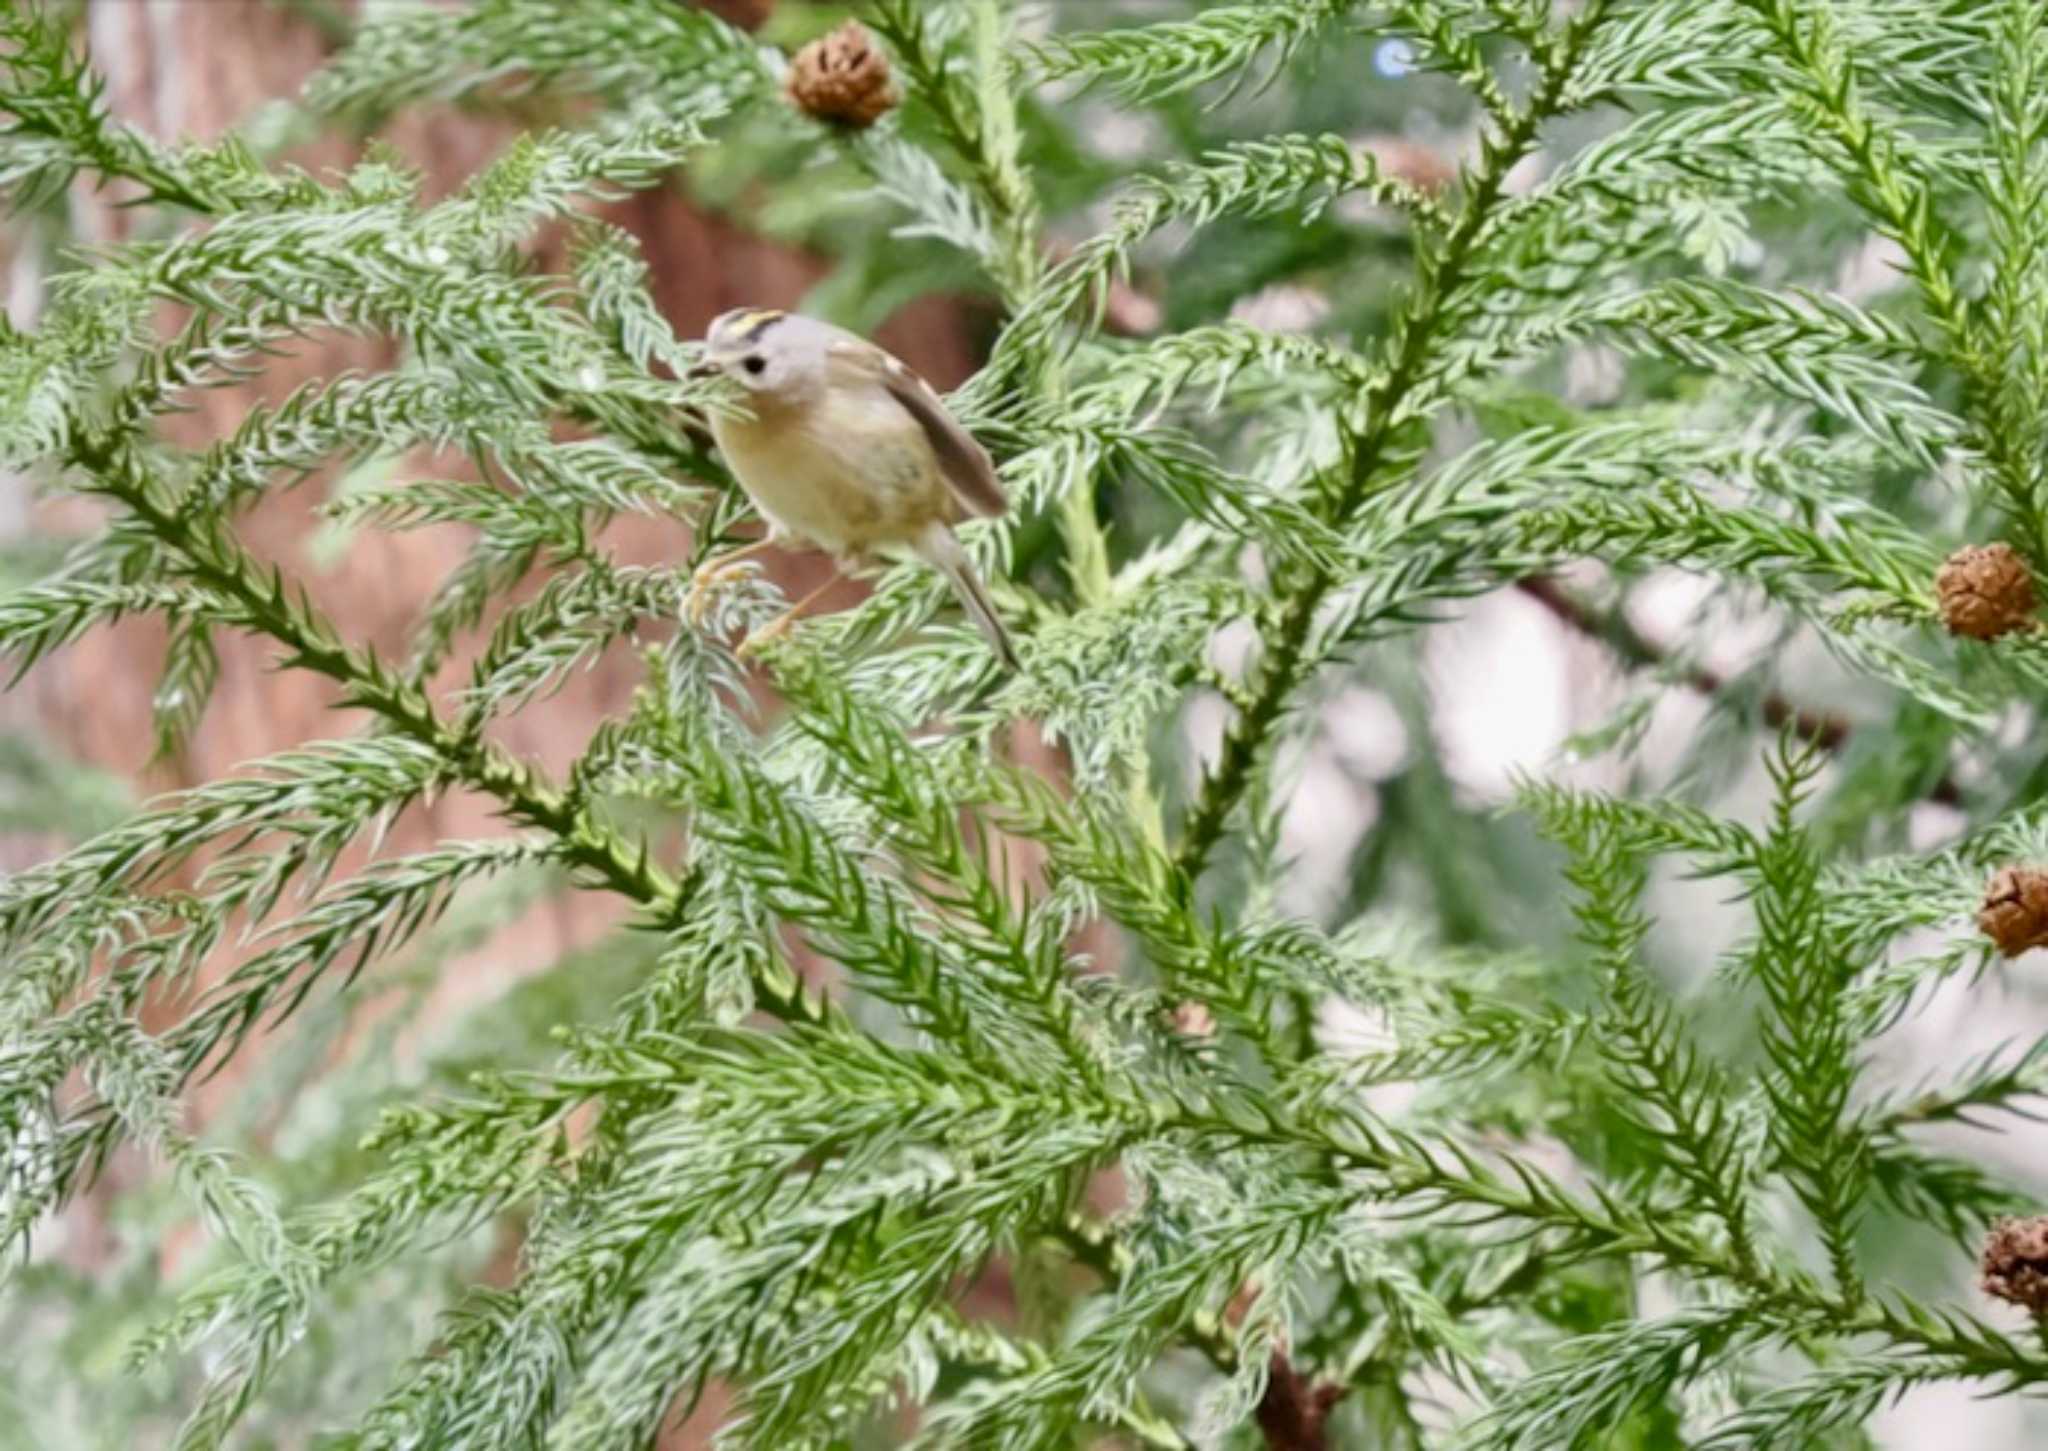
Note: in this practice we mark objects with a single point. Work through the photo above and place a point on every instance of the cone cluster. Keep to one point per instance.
(2015, 1262)
(1985, 590)
(2014, 914)
(842, 78)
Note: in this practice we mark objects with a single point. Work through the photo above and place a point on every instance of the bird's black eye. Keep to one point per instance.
(754, 363)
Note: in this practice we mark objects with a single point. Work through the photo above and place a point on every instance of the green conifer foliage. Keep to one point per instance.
(1470, 1159)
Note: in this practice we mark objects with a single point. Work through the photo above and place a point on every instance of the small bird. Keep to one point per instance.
(848, 450)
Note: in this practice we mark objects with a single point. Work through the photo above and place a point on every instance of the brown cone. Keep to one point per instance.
(2015, 910)
(1985, 591)
(842, 78)
(1193, 1019)
(2015, 1262)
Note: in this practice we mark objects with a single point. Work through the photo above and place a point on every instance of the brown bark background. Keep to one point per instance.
(193, 69)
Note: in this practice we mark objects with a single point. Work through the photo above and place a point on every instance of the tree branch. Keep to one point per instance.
(215, 559)
(1286, 664)
(1824, 728)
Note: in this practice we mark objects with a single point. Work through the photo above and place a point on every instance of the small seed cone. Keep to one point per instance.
(2015, 910)
(1193, 1019)
(2015, 1262)
(1985, 591)
(842, 78)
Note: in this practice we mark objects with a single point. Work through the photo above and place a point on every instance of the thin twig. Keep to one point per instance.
(1824, 728)
(1287, 660)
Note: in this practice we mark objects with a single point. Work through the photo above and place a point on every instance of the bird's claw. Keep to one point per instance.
(705, 583)
(762, 638)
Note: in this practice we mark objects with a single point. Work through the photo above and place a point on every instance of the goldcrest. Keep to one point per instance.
(843, 447)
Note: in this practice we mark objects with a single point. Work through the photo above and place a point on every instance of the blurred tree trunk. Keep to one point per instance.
(196, 68)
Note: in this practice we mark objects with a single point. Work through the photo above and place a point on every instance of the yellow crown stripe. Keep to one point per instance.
(750, 325)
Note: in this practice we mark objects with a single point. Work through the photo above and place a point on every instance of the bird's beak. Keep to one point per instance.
(702, 371)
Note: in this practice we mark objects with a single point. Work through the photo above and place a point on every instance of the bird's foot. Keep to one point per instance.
(706, 582)
(767, 635)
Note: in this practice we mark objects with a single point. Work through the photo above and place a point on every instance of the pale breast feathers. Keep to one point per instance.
(969, 472)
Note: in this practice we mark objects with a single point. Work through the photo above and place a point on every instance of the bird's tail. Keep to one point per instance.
(938, 547)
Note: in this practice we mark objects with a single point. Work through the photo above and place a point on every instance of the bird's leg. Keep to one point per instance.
(779, 627)
(718, 569)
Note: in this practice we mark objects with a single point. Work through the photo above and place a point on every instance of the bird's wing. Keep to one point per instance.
(967, 468)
